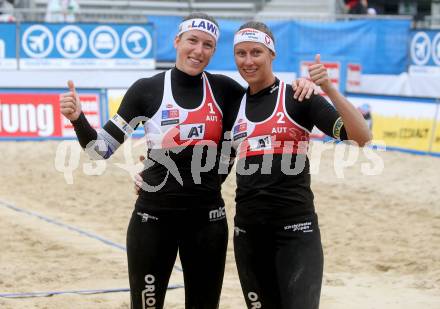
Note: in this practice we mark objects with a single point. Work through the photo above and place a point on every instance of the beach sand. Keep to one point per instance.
(381, 233)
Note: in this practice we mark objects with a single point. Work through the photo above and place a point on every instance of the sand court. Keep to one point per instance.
(381, 233)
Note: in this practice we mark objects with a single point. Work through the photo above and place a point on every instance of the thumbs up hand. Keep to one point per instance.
(70, 104)
(319, 75)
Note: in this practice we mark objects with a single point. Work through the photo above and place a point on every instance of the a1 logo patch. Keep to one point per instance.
(192, 131)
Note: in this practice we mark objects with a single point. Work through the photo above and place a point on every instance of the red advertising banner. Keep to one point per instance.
(90, 107)
(37, 115)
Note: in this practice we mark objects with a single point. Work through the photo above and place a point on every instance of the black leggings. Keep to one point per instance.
(153, 240)
(280, 267)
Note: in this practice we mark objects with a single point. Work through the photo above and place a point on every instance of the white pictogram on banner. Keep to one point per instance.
(104, 42)
(136, 42)
(420, 48)
(71, 42)
(2, 49)
(436, 49)
(37, 41)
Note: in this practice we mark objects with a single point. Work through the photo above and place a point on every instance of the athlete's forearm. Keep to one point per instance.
(84, 131)
(355, 125)
(98, 145)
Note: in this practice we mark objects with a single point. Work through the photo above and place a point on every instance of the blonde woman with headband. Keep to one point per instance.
(180, 209)
(277, 241)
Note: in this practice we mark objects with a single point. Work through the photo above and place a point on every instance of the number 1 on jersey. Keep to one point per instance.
(211, 108)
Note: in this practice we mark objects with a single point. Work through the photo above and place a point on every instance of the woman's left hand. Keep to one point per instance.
(303, 88)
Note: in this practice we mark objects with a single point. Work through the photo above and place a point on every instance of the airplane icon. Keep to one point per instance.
(37, 42)
(421, 48)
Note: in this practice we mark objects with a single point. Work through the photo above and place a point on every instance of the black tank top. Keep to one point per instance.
(277, 193)
(166, 185)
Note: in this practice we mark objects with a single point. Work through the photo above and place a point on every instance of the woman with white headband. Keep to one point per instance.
(277, 241)
(180, 209)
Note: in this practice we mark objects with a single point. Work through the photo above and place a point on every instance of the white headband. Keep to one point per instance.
(200, 24)
(254, 35)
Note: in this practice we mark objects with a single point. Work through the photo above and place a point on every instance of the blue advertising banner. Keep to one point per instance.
(166, 29)
(379, 46)
(8, 57)
(424, 50)
(87, 46)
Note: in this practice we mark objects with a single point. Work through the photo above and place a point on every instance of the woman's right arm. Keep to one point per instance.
(71, 109)
(103, 143)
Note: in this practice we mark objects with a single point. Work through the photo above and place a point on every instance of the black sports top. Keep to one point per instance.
(183, 117)
(265, 123)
